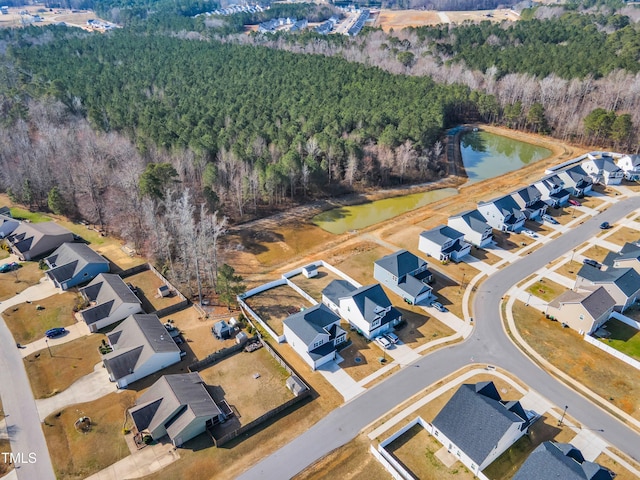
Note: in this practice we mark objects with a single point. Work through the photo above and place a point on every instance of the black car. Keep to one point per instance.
(593, 263)
(605, 226)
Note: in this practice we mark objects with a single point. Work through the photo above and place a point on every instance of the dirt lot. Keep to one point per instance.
(399, 19)
(147, 283)
(623, 235)
(497, 15)
(49, 17)
(275, 305)
(12, 283)
(27, 323)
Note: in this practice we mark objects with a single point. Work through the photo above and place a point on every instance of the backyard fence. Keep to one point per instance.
(612, 351)
(626, 320)
(219, 355)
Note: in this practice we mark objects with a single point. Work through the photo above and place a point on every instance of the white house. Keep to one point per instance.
(314, 334)
(476, 425)
(630, 165)
(141, 346)
(529, 199)
(503, 214)
(110, 300)
(576, 180)
(406, 275)
(603, 170)
(552, 189)
(475, 228)
(444, 243)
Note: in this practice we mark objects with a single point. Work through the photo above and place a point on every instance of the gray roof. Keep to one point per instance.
(7, 225)
(70, 259)
(135, 341)
(175, 399)
(474, 219)
(400, 263)
(312, 321)
(596, 302)
(578, 176)
(5, 211)
(552, 181)
(27, 236)
(630, 251)
(553, 461)
(370, 299)
(413, 286)
(626, 279)
(508, 207)
(635, 160)
(442, 234)
(606, 164)
(475, 419)
(338, 289)
(108, 291)
(528, 193)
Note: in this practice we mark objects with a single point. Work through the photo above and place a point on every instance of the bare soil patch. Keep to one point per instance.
(399, 19)
(497, 15)
(275, 305)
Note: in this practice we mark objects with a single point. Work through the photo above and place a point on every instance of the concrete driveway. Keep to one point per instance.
(76, 330)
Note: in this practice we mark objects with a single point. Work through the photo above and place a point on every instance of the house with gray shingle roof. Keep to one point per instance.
(141, 346)
(179, 406)
(32, 240)
(74, 263)
(475, 228)
(603, 170)
(583, 311)
(529, 199)
(110, 301)
(314, 334)
(7, 225)
(503, 214)
(552, 189)
(630, 165)
(477, 426)
(406, 275)
(623, 284)
(627, 257)
(554, 461)
(576, 180)
(444, 243)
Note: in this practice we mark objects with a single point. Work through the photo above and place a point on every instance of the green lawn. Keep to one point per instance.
(624, 338)
(546, 289)
(34, 217)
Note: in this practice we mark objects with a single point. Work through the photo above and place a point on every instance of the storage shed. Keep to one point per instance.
(310, 271)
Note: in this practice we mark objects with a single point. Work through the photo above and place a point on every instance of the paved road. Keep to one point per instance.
(488, 344)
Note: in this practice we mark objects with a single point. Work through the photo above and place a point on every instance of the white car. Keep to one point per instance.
(530, 233)
(392, 337)
(383, 342)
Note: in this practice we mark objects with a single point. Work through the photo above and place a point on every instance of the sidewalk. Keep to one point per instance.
(76, 330)
(340, 380)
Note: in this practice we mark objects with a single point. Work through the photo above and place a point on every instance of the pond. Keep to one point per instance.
(486, 155)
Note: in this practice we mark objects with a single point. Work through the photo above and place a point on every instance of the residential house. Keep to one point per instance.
(475, 228)
(406, 275)
(179, 406)
(476, 425)
(7, 225)
(32, 240)
(74, 263)
(141, 346)
(554, 461)
(628, 257)
(529, 199)
(444, 243)
(314, 334)
(553, 192)
(603, 170)
(367, 309)
(5, 211)
(584, 311)
(503, 214)
(110, 300)
(630, 166)
(623, 284)
(576, 180)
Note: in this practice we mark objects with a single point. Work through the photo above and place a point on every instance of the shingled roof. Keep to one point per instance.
(400, 263)
(108, 291)
(69, 259)
(596, 302)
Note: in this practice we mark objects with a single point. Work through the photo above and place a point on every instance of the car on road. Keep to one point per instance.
(605, 226)
(383, 342)
(575, 203)
(529, 233)
(8, 267)
(593, 263)
(55, 332)
(550, 219)
(392, 337)
(438, 306)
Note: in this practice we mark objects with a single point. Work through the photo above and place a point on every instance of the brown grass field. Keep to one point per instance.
(13, 19)
(27, 323)
(623, 235)
(148, 283)
(596, 252)
(275, 305)
(314, 286)
(12, 283)
(399, 19)
(368, 353)
(69, 362)
(569, 269)
(621, 472)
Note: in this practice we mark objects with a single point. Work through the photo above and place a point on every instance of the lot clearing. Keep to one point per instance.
(399, 19)
(27, 323)
(276, 304)
(12, 283)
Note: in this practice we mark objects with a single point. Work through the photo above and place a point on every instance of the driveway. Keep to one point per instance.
(76, 330)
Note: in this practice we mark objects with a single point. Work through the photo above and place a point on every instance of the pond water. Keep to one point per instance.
(485, 155)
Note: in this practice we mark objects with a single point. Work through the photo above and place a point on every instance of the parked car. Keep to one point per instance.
(593, 263)
(550, 219)
(605, 226)
(383, 342)
(575, 203)
(530, 233)
(438, 306)
(392, 337)
(55, 332)
(8, 267)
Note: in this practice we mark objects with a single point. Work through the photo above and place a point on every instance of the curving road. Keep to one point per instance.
(488, 344)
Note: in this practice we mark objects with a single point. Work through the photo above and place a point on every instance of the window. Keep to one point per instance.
(581, 317)
(436, 433)
(318, 343)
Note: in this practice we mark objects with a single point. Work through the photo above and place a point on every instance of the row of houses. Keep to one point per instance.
(289, 24)
(608, 168)
(233, 9)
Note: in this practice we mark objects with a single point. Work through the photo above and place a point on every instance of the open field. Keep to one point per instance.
(27, 323)
(148, 283)
(68, 362)
(49, 17)
(399, 19)
(496, 15)
(314, 286)
(12, 283)
(611, 379)
(624, 338)
(546, 289)
(275, 305)
(623, 235)
(76, 455)
(621, 472)
(357, 261)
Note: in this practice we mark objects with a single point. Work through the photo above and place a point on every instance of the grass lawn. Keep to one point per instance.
(76, 455)
(485, 255)
(275, 305)
(34, 217)
(546, 289)
(362, 357)
(621, 472)
(596, 252)
(611, 379)
(624, 338)
(510, 241)
(357, 261)
(420, 327)
(564, 215)
(12, 283)
(70, 362)
(623, 235)
(591, 202)
(449, 291)
(28, 324)
(148, 283)
(569, 269)
(314, 286)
